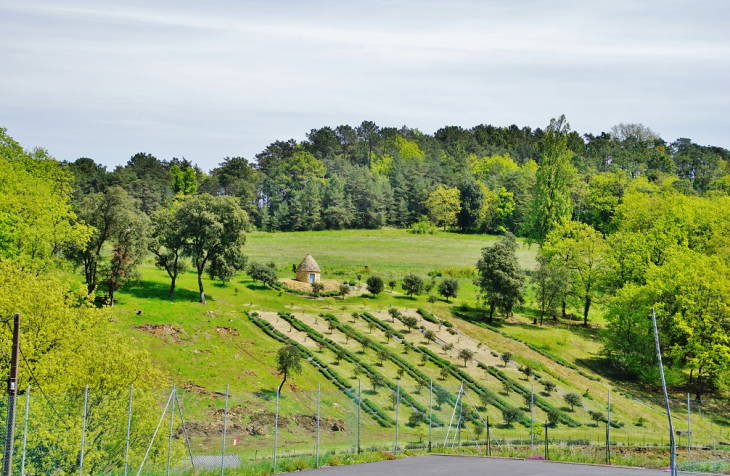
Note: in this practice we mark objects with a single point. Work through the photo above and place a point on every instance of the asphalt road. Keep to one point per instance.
(474, 466)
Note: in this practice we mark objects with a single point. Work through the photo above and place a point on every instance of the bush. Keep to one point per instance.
(421, 228)
(352, 282)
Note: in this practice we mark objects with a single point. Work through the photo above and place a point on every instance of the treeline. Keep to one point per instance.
(481, 179)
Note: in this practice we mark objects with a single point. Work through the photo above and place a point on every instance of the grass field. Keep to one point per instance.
(206, 347)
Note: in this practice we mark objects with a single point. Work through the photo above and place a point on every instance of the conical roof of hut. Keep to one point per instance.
(308, 264)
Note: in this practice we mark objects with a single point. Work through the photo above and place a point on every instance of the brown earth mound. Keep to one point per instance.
(163, 331)
(329, 285)
(227, 331)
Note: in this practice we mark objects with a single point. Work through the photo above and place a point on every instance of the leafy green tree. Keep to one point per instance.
(442, 396)
(365, 344)
(344, 290)
(554, 415)
(580, 248)
(394, 314)
(507, 387)
(288, 361)
(317, 287)
(349, 334)
(551, 200)
(443, 373)
(466, 355)
(36, 216)
(572, 399)
(377, 381)
(551, 281)
(166, 244)
(412, 284)
(113, 216)
(375, 285)
(213, 228)
(505, 358)
(511, 415)
(598, 417)
(429, 335)
(549, 386)
(444, 205)
(127, 250)
(447, 347)
(471, 197)
(449, 287)
(185, 182)
(392, 284)
(68, 342)
(265, 273)
(388, 335)
(501, 280)
(383, 356)
(410, 322)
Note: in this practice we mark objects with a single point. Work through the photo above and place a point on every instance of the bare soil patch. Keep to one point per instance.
(163, 331)
(329, 285)
(227, 331)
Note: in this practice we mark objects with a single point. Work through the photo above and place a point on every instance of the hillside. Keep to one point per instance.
(233, 339)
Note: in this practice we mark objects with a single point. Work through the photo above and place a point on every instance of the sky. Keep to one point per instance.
(208, 80)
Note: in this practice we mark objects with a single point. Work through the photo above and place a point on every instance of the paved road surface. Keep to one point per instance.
(433, 465)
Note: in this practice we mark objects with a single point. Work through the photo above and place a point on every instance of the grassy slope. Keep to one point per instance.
(203, 356)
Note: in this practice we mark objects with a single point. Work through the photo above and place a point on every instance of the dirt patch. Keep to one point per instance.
(309, 423)
(329, 285)
(227, 331)
(163, 331)
(200, 390)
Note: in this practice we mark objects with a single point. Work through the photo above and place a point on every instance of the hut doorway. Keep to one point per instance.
(311, 278)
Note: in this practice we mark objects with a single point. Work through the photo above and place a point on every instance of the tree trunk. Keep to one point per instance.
(542, 314)
(282, 383)
(172, 287)
(564, 313)
(491, 311)
(200, 286)
(586, 307)
(111, 296)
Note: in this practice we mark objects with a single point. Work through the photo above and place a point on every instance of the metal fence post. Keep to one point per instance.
(129, 429)
(672, 442)
(489, 438)
(359, 404)
(83, 430)
(689, 454)
(225, 428)
(397, 407)
(532, 419)
(547, 454)
(276, 427)
(25, 430)
(316, 446)
(608, 429)
(172, 418)
(430, 413)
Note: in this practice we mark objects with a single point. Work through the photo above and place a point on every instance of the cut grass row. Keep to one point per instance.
(341, 383)
(369, 370)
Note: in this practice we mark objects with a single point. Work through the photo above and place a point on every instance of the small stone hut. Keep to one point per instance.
(308, 270)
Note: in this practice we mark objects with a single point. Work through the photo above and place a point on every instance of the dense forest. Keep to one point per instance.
(369, 176)
(622, 218)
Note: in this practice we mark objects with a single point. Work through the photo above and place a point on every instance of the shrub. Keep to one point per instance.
(421, 228)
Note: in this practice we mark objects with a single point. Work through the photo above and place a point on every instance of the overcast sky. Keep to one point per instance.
(206, 80)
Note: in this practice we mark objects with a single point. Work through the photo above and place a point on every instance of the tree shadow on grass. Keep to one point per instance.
(144, 289)
(412, 298)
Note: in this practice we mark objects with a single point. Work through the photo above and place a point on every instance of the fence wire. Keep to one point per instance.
(192, 428)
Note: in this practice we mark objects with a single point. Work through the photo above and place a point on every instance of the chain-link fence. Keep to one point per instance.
(189, 428)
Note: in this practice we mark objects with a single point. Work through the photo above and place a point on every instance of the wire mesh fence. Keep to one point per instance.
(190, 428)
